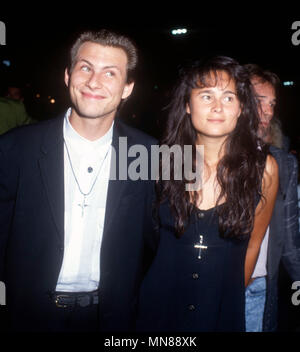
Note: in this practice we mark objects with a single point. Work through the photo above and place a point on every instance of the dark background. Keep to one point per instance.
(38, 41)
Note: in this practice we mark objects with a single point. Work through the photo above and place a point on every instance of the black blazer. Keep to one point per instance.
(284, 239)
(32, 228)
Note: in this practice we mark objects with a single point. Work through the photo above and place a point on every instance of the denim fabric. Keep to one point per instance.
(298, 190)
(255, 304)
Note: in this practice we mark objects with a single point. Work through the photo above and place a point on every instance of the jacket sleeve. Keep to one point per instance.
(291, 249)
(8, 186)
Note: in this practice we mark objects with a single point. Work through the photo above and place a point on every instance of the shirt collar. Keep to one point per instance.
(81, 144)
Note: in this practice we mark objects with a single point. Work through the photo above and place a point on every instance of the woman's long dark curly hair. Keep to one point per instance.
(240, 170)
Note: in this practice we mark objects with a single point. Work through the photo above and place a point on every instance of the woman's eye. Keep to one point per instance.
(228, 99)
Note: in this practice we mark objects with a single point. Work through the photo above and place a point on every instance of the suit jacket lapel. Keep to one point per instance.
(52, 172)
(116, 187)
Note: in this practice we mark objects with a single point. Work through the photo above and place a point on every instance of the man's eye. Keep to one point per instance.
(109, 74)
(206, 97)
(85, 68)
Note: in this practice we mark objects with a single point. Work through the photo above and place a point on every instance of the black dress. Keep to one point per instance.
(193, 288)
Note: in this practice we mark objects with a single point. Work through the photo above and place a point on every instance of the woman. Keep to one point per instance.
(210, 238)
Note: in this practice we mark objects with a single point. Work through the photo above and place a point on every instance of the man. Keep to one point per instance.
(266, 86)
(12, 114)
(281, 242)
(14, 92)
(74, 242)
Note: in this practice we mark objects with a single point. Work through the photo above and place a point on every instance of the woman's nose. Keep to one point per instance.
(217, 105)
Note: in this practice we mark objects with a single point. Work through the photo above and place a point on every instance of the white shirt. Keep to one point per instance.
(90, 160)
(261, 264)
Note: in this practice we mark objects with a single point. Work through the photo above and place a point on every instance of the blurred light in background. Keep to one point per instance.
(179, 31)
(6, 63)
(288, 83)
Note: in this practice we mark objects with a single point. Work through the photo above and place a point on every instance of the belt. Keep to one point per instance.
(72, 299)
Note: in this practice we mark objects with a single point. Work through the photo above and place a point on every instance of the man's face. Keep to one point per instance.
(266, 96)
(97, 83)
(14, 93)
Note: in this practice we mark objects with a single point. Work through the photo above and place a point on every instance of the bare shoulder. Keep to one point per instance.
(271, 165)
(271, 174)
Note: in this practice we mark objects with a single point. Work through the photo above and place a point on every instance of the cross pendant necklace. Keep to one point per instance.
(83, 205)
(200, 246)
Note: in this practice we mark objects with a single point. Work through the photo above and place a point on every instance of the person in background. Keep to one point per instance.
(12, 114)
(298, 188)
(281, 241)
(266, 85)
(209, 237)
(71, 257)
(276, 136)
(14, 92)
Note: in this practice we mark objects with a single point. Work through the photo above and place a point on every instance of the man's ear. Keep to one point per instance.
(127, 90)
(67, 77)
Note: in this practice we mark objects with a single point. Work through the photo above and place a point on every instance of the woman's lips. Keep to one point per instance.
(215, 120)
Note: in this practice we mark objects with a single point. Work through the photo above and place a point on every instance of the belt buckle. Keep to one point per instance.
(57, 301)
(84, 300)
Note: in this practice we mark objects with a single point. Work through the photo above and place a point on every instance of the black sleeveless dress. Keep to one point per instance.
(196, 282)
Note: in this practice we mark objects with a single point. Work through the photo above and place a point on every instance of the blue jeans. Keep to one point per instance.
(255, 304)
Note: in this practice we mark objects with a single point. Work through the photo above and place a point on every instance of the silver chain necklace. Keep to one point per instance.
(83, 205)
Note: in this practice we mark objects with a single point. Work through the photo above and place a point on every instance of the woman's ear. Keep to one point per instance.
(187, 108)
(241, 109)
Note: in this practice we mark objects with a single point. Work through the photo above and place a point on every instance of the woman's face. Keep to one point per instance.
(215, 109)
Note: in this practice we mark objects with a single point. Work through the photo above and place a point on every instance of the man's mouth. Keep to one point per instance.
(92, 96)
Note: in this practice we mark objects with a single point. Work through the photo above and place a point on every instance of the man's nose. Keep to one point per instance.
(267, 111)
(94, 81)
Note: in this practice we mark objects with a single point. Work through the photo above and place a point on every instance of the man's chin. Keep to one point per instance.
(91, 117)
(85, 114)
(263, 133)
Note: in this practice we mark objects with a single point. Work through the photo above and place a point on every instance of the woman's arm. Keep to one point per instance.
(263, 214)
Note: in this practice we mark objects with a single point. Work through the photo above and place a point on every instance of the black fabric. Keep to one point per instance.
(182, 293)
(32, 229)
